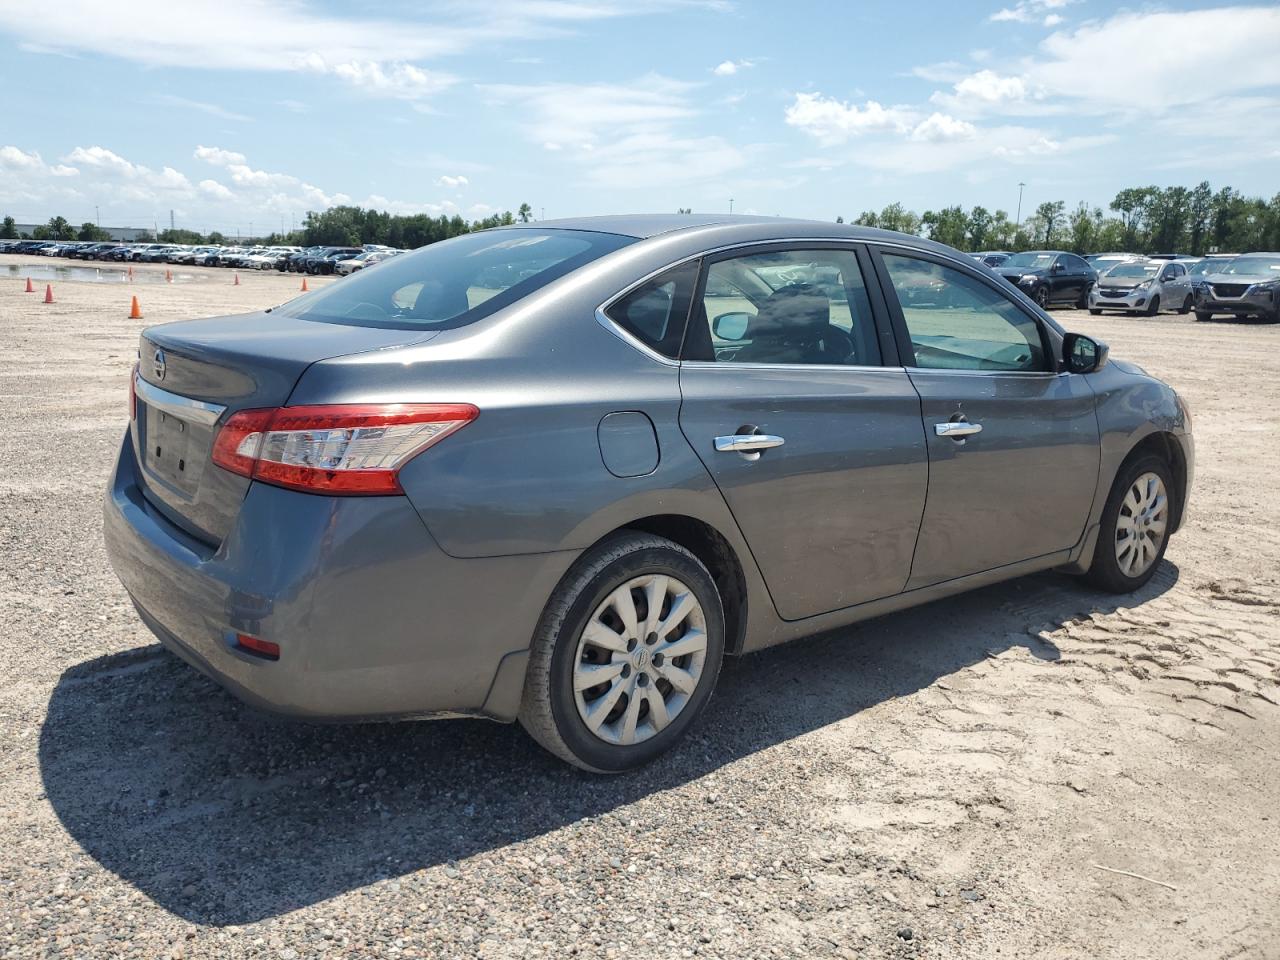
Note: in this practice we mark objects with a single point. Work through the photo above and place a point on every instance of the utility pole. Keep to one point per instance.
(96, 219)
(731, 204)
(1018, 221)
(171, 223)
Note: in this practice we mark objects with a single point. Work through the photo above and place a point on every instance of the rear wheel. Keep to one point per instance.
(1154, 306)
(1186, 305)
(1203, 315)
(1136, 522)
(626, 655)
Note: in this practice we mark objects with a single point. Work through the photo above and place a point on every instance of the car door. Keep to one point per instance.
(793, 398)
(1013, 442)
(1174, 286)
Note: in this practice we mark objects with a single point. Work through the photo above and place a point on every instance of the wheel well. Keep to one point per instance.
(1167, 448)
(718, 556)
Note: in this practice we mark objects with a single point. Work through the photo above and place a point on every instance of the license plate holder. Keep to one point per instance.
(168, 448)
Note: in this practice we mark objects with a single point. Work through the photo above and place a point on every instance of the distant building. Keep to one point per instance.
(116, 233)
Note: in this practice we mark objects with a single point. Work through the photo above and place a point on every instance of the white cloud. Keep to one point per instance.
(625, 135)
(833, 121)
(1029, 11)
(131, 179)
(728, 68)
(939, 128)
(989, 87)
(403, 81)
(14, 159)
(452, 182)
(210, 108)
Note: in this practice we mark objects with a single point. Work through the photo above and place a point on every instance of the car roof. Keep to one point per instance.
(714, 230)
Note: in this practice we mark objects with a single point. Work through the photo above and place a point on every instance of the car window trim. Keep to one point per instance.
(899, 321)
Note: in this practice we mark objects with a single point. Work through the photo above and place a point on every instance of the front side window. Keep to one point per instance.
(786, 306)
(455, 282)
(957, 322)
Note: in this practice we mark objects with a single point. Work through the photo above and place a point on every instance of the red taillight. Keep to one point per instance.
(133, 393)
(335, 448)
(263, 648)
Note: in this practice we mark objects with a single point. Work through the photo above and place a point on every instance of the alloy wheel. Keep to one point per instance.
(1141, 525)
(639, 659)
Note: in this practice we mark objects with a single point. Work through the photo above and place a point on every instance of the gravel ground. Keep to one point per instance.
(946, 782)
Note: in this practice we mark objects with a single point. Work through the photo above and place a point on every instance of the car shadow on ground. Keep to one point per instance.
(224, 816)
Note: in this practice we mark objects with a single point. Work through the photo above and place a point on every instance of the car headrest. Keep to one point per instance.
(436, 301)
(798, 312)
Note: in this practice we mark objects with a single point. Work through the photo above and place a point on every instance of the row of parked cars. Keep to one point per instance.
(321, 260)
(1242, 285)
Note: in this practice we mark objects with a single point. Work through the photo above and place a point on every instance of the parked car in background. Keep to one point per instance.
(1144, 285)
(1050, 276)
(684, 405)
(992, 258)
(1170, 256)
(1245, 286)
(360, 261)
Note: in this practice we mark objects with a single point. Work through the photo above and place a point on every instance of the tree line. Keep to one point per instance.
(1194, 220)
(337, 226)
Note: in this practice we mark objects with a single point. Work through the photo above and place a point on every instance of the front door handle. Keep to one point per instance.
(957, 429)
(747, 442)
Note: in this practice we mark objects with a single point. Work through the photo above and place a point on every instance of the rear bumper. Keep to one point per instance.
(372, 618)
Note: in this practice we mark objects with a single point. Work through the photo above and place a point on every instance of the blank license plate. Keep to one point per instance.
(168, 447)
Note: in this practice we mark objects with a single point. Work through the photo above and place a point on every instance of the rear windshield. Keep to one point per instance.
(455, 282)
(1033, 261)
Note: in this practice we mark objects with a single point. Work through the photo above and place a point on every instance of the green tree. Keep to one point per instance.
(1083, 227)
(9, 230)
(1199, 210)
(1049, 217)
(59, 229)
(91, 231)
(525, 213)
(896, 217)
(978, 228)
(950, 225)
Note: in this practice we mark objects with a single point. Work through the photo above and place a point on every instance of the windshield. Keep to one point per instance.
(455, 282)
(1206, 266)
(1253, 266)
(1029, 261)
(1134, 268)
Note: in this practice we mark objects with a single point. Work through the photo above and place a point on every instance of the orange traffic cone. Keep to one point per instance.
(304, 284)
(135, 311)
(168, 276)
(237, 283)
(30, 288)
(48, 293)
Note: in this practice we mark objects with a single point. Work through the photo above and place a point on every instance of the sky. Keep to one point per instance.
(241, 115)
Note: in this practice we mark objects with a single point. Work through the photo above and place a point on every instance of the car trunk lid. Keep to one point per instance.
(193, 375)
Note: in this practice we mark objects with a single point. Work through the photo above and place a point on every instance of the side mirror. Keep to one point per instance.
(1166, 277)
(1058, 268)
(1083, 354)
(731, 326)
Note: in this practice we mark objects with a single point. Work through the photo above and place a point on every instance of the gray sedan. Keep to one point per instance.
(556, 472)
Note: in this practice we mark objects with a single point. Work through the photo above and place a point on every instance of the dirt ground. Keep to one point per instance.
(1031, 770)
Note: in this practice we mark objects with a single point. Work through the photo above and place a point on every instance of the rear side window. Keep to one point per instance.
(455, 282)
(655, 312)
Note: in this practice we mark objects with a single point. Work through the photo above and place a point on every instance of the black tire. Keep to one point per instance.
(1203, 315)
(1186, 305)
(548, 710)
(1094, 311)
(1082, 302)
(1104, 572)
(1041, 297)
(1153, 306)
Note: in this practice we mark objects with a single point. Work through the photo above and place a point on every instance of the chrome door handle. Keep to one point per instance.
(957, 429)
(747, 442)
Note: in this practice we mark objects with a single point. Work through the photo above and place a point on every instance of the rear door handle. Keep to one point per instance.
(957, 429)
(747, 442)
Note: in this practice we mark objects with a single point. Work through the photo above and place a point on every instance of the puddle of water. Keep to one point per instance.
(95, 274)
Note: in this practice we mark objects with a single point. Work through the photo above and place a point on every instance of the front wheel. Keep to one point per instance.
(1094, 311)
(1186, 305)
(625, 656)
(1203, 315)
(1154, 306)
(1136, 523)
(1041, 297)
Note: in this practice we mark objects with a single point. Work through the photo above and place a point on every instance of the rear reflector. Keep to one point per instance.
(335, 448)
(263, 648)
